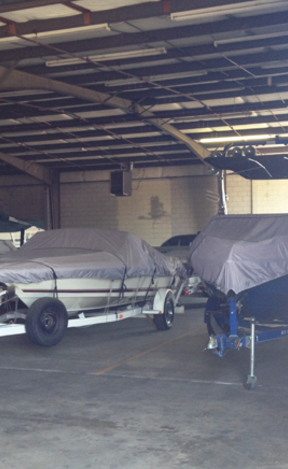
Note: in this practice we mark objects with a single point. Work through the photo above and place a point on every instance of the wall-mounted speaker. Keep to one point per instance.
(121, 183)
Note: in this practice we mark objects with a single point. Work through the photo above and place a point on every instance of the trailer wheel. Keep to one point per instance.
(164, 321)
(46, 321)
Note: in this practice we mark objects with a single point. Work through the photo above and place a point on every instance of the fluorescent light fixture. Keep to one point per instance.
(57, 32)
(171, 76)
(113, 56)
(236, 139)
(281, 64)
(80, 29)
(232, 40)
(244, 7)
(8, 39)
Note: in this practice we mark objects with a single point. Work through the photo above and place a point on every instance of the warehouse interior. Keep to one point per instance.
(149, 88)
(144, 91)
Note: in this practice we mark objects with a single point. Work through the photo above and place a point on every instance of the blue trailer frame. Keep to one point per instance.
(228, 329)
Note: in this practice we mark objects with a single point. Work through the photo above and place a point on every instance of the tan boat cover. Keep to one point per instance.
(85, 253)
(238, 252)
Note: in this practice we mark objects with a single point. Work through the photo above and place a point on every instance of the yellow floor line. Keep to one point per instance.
(144, 353)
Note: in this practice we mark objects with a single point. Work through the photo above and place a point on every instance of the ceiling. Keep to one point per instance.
(110, 84)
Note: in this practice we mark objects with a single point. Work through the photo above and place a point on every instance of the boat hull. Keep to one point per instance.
(90, 294)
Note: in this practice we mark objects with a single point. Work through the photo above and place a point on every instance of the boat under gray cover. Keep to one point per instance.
(239, 252)
(85, 253)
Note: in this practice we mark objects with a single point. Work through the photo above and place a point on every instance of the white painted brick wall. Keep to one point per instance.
(159, 207)
(270, 196)
(164, 201)
(190, 207)
(88, 204)
(238, 190)
(256, 196)
(147, 213)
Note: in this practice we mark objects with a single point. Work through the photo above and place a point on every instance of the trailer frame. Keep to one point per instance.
(222, 341)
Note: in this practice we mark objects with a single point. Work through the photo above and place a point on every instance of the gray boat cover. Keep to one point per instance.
(85, 253)
(238, 252)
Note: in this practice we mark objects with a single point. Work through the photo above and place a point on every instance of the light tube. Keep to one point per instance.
(57, 32)
(249, 38)
(236, 139)
(79, 29)
(112, 56)
(269, 65)
(223, 10)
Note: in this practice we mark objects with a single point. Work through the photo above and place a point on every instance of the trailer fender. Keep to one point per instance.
(160, 297)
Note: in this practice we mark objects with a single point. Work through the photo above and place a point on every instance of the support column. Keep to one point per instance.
(54, 196)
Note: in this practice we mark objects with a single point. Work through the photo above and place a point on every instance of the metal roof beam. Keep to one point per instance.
(28, 167)
(21, 80)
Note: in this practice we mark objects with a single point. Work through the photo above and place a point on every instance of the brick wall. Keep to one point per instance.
(270, 196)
(147, 213)
(164, 202)
(239, 191)
(256, 196)
(88, 204)
(194, 202)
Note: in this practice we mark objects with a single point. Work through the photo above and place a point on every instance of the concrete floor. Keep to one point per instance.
(126, 396)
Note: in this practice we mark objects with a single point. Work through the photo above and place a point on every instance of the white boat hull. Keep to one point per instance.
(90, 294)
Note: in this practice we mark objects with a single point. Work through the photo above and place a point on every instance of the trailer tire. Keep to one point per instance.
(46, 321)
(164, 321)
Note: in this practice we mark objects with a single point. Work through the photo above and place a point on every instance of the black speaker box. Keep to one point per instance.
(121, 183)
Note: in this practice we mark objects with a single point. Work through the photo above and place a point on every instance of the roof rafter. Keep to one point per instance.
(33, 169)
(22, 80)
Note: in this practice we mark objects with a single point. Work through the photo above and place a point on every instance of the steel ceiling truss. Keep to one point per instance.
(155, 120)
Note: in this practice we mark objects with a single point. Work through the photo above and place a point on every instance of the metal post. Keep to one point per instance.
(252, 350)
(251, 379)
(22, 237)
(54, 196)
(222, 210)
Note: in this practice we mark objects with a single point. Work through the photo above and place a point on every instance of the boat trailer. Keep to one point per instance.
(42, 332)
(228, 330)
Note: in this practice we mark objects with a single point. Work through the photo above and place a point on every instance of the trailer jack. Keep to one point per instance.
(251, 378)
